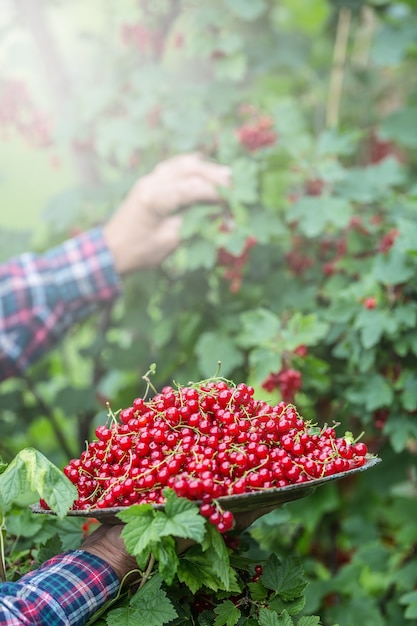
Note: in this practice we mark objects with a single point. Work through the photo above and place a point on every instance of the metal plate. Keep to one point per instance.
(236, 503)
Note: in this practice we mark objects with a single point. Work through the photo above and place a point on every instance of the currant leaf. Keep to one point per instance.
(150, 606)
(270, 618)
(227, 614)
(285, 578)
(31, 471)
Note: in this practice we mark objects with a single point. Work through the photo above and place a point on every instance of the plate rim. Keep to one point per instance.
(309, 485)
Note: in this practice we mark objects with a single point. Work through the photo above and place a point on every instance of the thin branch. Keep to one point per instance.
(338, 67)
(364, 37)
(48, 412)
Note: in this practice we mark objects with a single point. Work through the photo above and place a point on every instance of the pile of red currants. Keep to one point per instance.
(205, 441)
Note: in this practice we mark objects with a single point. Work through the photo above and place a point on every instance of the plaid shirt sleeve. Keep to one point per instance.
(65, 590)
(42, 296)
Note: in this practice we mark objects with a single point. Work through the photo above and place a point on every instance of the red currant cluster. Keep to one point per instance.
(287, 380)
(234, 264)
(140, 37)
(314, 187)
(18, 113)
(387, 241)
(204, 441)
(257, 133)
(378, 150)
(298, 262)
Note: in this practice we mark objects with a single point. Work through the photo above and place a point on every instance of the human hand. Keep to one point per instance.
(143, 231)
(106, 543)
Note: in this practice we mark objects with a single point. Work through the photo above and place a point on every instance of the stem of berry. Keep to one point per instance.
(145, 377)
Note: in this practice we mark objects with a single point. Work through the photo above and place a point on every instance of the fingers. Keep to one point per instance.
(196, 188)
(181, 181)
(194, 165)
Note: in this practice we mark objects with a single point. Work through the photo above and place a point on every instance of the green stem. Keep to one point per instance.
(2, 555)
(148, 571)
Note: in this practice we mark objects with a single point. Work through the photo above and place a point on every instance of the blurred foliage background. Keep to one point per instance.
(304, 286)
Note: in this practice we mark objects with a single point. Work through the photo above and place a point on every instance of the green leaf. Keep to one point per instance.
(409, 396)
(247, 10)
(400, 430)
(285, 578)
(192, 572)
(363, 609)
(270, 618)
(290, 124)
(397, 126)
(374, 392)
(201, 253)
(216, 552)
(150, 606)
(406, 315)
(311, 620)
(372, 324)
(258, 327)
(180, 518)
(331, 142)
(198, 570)
(293, 607)
(304, 329)
(392, 268)
(410, 600)
(262, 362)
(315, 214)
(214, 540)
(257, 591)
(215, 346)
(227, 614)
(305, 18)
(231, 67)
(139, 533)
(265, 226)
(245, 181)
(197, 219)
(165, 552)
(50, 548)
(2, 465)
(392, 42)
(208, 565)
(368, 184)
(235, 241)
(146, 528)
(31, 471)
(22, 523)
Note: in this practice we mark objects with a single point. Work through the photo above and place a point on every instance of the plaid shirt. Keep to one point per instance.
(66, 590)
(42, 296)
